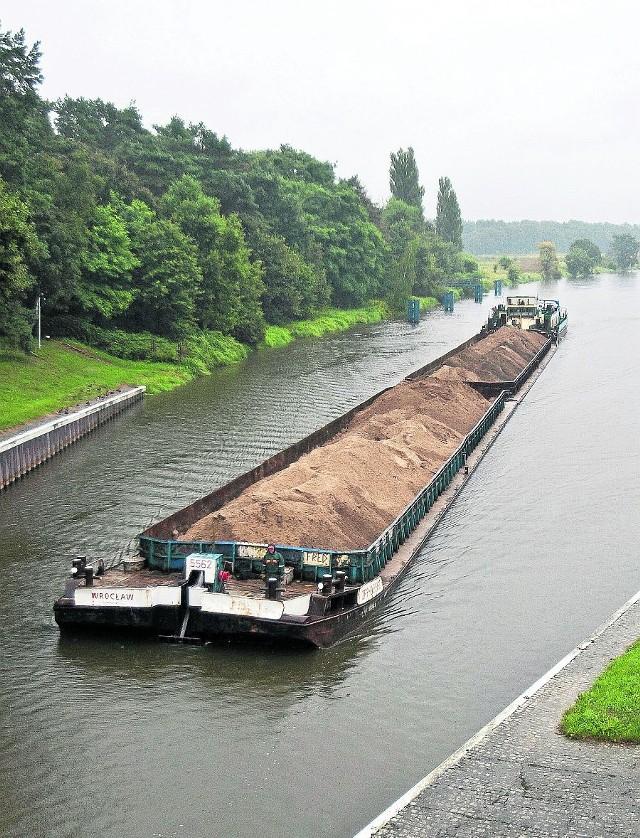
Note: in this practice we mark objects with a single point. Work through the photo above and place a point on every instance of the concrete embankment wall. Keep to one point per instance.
(26, 450)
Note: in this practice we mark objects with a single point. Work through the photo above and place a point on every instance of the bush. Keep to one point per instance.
(197, 353)
(212, 349)
(277, 336)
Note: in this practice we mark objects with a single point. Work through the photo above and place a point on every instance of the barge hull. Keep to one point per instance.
(161, 621)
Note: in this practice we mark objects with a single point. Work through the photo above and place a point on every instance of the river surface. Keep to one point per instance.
(121, 739)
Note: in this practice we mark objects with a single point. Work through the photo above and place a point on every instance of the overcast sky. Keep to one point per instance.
(531, 107)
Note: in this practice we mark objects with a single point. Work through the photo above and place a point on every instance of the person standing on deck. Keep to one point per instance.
(273, 562)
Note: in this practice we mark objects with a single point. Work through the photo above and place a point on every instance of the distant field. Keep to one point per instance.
(527, 265)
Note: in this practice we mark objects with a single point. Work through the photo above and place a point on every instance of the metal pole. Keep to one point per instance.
(39, 324)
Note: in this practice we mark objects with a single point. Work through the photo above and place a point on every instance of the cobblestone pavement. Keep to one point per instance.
(525, 779)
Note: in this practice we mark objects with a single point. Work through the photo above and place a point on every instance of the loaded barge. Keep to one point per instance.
(389, 467)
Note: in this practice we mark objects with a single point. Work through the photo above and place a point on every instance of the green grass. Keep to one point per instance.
(328, 320)
(56, 376)
(277, 336)
(206, 350)
(610, 710)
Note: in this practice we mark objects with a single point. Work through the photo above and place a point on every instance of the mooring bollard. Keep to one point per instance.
(78, 565)
(272, 585)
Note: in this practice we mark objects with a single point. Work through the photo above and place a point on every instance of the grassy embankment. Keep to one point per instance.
(329, 320)
(63, 374)
(66, 373)
(610, 710)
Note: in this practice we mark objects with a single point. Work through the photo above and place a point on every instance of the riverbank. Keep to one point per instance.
(517, 776)
(65, 373)
(37, 442)
(327, 321)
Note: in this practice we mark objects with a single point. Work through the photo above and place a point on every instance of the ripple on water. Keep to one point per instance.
(135, 738)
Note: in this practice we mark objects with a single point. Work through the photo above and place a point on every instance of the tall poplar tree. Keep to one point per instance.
(448, 219)
(404, 180)
(22, 112)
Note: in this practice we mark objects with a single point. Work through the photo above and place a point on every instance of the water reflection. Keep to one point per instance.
(251, 670)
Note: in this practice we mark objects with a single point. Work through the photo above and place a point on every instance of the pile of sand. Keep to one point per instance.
(342, 495)
(499, 357)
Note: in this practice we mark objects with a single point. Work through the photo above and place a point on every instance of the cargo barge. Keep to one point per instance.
(205, 572)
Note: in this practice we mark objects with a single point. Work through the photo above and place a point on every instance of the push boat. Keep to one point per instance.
(187, 590)
(531, 313)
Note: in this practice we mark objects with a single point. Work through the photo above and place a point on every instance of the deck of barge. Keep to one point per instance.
(117, 577)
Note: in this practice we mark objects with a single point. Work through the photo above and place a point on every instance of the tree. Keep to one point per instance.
(419, 261)
(404, 180)
(167, 277)
(582, 258)
(373, 210)
(513, 271)
(229, 299)
(294, 289)
(291, 164)
(330, 228)
(20, 248)
(400, 219)
(624, 249)
(549, 262)
(448, 219)
(107, 261)
(22, 113)
(402, 226)
(63, 206)
(97, 123)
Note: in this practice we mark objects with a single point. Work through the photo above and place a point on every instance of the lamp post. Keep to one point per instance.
(39, 309)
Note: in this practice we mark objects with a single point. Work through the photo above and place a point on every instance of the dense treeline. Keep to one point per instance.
(174, 233)
(523, 237)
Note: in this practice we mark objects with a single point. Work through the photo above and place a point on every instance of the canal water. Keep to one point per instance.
(128, 738)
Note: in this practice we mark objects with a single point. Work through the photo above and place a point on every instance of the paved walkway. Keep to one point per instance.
(520, 777)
